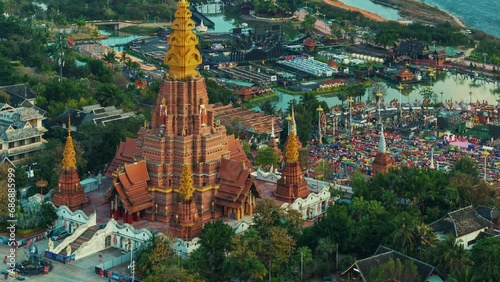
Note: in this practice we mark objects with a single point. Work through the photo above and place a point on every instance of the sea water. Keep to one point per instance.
(478, 14)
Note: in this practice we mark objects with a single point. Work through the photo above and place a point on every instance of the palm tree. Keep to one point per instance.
(403, 238)
(466, 274)
(326, 248)
(449, 256)
(110, 58)
(425, 238)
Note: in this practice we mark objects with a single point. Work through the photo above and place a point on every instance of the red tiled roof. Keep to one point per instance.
(235, 183)
(310, 42)
(129, 148)
(137, 172)
(335, 80)
(132, 187)
(124, 154)
(404, 72)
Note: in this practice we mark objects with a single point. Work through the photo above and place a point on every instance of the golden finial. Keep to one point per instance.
(292, 149)
(69, 155)
(69, 124)
(186, 188)
(183, 57)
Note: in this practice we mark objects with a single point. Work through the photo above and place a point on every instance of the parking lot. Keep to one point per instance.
(81, 270)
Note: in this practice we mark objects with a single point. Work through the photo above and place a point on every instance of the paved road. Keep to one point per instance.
(79, 271)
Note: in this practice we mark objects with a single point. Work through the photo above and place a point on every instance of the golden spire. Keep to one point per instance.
(183, 57)
(292, 149)
(69, 155)
(186, 189)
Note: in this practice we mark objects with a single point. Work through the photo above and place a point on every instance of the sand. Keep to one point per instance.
(366, 14)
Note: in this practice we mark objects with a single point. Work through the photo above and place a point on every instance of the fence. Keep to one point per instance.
(102, 269)
(59, 258)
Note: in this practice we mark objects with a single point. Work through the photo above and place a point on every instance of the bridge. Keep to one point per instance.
(117, 24)
(198, 17)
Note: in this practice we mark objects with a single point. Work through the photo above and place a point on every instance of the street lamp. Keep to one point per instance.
(320, 111)
(485, 153)
(442, 101)
(350, 100)
(484, 56)
(400, 88)
(470, 97)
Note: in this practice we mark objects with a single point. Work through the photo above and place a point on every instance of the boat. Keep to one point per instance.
(201, 27)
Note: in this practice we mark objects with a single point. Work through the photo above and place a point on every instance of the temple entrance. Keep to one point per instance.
(107, 242)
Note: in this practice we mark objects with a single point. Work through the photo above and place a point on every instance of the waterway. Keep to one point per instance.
(383, 11)
(455, 87)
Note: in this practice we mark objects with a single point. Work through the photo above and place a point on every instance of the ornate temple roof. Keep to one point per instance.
(235, 183)
(183, 57)
(292, 149)
(132, 187)
(69, 155)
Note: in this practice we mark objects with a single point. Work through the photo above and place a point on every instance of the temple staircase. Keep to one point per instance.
(92, 222)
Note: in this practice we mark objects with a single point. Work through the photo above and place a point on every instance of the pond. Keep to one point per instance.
(456, 87)
(383, 11)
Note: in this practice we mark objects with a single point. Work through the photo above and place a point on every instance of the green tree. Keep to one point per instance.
(155, 253)
(48, 215)
(110, 59)
(404, 236)
(170, 273)
(449, 255)
(336, 225)
(267, 106)
(243, 261)
(466, 274)
(266, 157)
(486, 258)
(468, 166)
(395, 270)
(308, 24)
(215, 245)
(267, 216)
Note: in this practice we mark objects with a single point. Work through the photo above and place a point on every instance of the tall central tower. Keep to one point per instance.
(186, 169)
(182, 133)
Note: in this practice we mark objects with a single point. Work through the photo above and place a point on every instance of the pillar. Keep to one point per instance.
(137, 216)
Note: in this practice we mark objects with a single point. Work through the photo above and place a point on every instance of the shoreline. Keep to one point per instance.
(457, 19)
(365, 13)
(405, 14)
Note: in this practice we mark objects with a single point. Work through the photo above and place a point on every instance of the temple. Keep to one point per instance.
(69, 192)
(383, 162)
(183, 149)
(292, 184)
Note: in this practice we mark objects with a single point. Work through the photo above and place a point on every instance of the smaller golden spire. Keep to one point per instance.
(186, 188)
(69, 155)
(69, 124)
(292, 149)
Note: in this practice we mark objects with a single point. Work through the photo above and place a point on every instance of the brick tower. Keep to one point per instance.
(292, 184)
(382, 161)
(69, 192)
(183, 132)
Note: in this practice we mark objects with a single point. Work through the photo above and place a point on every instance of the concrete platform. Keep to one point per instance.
(80, 270)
